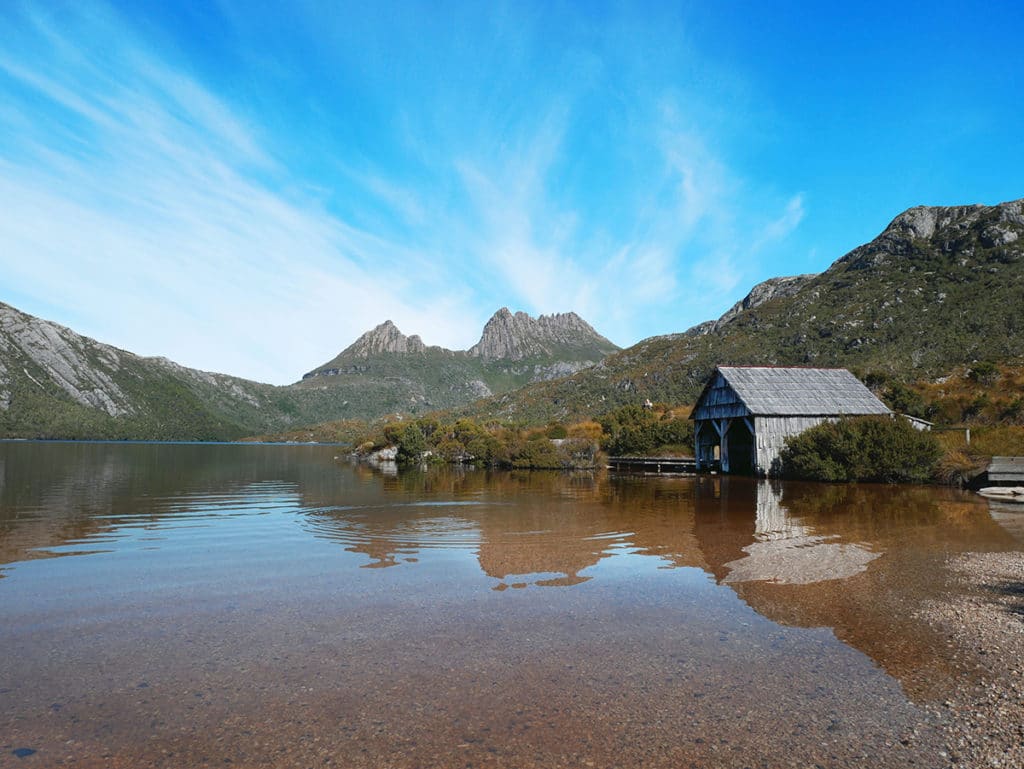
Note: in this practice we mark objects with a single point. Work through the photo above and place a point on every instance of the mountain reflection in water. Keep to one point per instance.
(538, 613)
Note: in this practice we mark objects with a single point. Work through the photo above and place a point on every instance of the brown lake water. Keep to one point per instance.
(251, 606)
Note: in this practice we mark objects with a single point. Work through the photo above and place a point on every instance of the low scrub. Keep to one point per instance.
(465, 441)
(634, 430)
(862, 449)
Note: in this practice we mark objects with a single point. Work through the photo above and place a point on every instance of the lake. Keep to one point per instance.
(248, 605)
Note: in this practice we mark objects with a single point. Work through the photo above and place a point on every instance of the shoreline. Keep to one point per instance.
(982, 720)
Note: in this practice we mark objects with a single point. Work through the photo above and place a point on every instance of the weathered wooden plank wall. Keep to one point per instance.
(720, 402)
(770, 435)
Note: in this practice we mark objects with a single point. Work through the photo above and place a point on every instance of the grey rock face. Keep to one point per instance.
(479, 388)
(384, 338)
(76, 364)
(946, 226)
(514, 337)
(229, 385)
(5, 394)
(773, 288)
(558, 370)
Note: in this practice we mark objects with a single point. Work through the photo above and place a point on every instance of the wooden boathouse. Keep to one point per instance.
(745, 413)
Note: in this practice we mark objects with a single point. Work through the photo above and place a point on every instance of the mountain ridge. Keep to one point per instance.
(384, 371)
(940, 286)
(56, 383)
(505, 337)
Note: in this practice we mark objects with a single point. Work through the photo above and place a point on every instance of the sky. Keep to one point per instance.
(246, 187)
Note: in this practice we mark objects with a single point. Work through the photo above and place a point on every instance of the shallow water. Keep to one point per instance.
(203, 605)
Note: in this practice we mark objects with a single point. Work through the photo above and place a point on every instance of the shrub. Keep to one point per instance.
(556, 430)
(635, 430)
(411, 444)
(862, 449)
(984, 372)
(902, 399)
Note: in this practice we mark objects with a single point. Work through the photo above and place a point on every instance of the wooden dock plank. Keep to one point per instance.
(654, 465)
(1006, 470)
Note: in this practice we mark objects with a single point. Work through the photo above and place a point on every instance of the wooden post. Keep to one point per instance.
(722, 428)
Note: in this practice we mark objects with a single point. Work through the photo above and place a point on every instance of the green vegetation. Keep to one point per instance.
(463, 441)
(981, 394)
(933, 325)
(862, 449)
(905, 308)
(631, 429)
(636, 431)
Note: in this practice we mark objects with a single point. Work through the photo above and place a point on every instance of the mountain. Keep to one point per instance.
(385, 371)
(55, 383)
(940, 287)
(563, 336)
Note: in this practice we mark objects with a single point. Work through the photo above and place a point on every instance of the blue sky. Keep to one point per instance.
(247, 186)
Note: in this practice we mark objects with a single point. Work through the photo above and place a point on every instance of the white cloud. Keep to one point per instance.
(166, 217)
(163, 234)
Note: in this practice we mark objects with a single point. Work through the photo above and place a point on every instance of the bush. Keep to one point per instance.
(411, 444)
(465, 441)
(903, 400)
(862, 449)
(633, 430)
(984, 372)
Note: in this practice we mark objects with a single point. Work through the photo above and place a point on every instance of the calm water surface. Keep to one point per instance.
(179, 605)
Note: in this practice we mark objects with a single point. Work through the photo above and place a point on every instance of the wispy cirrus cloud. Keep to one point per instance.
(169, 215)
(149, 206)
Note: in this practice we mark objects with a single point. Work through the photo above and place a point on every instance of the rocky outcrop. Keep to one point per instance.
(564, 342)
(56, 383)
(959, 229)
(773, 288)
(385, 338)
(78, 365)
(515, 337)
(384, 371)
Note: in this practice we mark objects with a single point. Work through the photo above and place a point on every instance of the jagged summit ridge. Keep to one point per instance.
(508, 336)
(385, 338)
(514, 349)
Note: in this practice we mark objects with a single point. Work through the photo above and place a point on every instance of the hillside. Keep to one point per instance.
(940, 289)
(385, 371)
(55, 383)
(937, 289)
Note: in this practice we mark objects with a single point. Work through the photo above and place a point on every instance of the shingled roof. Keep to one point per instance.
(769, 391)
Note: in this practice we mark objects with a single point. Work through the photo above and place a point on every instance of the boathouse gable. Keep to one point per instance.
(745, 413)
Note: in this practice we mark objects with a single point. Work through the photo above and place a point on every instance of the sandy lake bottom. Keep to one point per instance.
(257, 606)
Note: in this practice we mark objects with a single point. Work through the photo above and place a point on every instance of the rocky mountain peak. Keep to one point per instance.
(515, 337)
(385, 338)
(947, 228)
(773, 288)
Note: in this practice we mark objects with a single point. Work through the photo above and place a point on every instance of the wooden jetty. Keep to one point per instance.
(1006, 471)
(653, 465)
